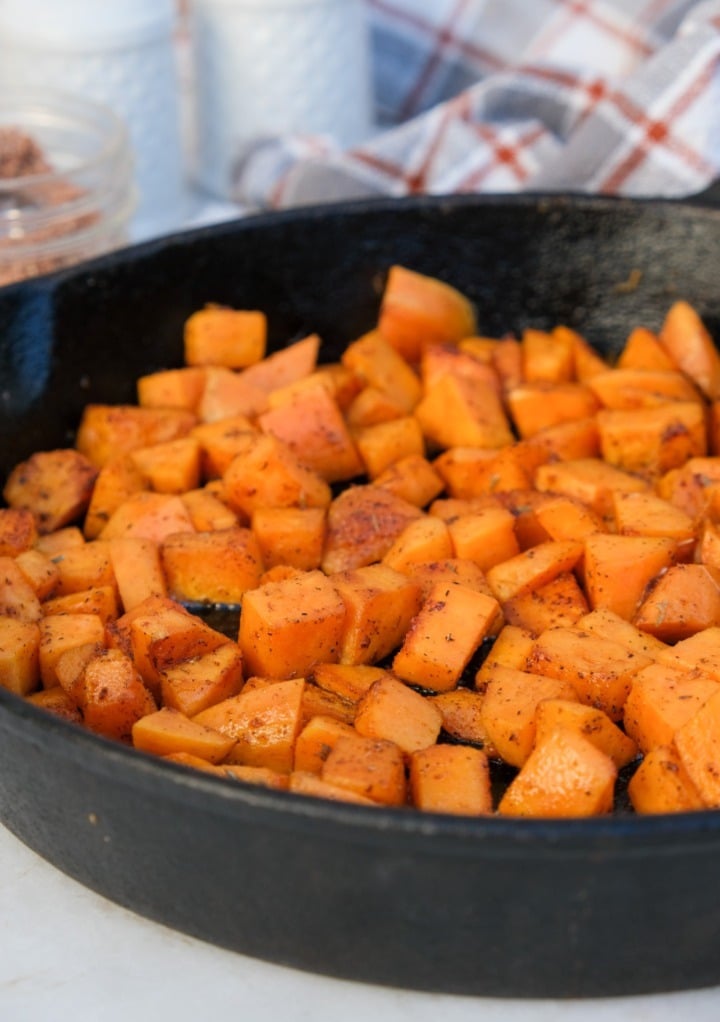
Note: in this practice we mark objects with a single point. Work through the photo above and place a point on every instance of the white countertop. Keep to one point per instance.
(66, 953)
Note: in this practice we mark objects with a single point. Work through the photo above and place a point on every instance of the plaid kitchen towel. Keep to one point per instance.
(601, 96)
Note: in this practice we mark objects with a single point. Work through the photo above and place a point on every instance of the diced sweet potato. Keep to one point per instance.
(533, 568)
(193, 685)
(685, 338)
(170, 467)
(316, 741)
(618, 569)
(167, 730)
(559, 603)
(54, 485)
(211, 567)
(682, 601)
(661, 784)
(383, 444)
(663, 698)
(487, 537)
(112, 697)
(461, 710)
(292, 536)
(451, 779)
(118, 479)
(697, 743)
(413, 479)
(379, 603)
(397, 713)
(18, 599)
(100, 600)
(381, 367)
(362, 524)
(19, 655)
(18, 531)
(653, 440)
(172, 388)
(371, 767)
(590, 722)
(267, 474)
(478, 419)
(40, 571)
(148, 515)
(220, 336)
(537, 406)
(137, 570)
(284, 366)
(109, 431)
(423, 539)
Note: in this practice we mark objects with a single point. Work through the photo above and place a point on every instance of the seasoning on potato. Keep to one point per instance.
(446, 557)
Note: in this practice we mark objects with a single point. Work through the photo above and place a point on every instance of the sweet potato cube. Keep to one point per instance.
(228, 394)
(565, 518)
(18, 599)
(559, 603)
(83, 567)
(510, 706)
(302, 782)
(684, 600)
(54, 485)
(533, 568)
(219, 336)
(646, 514)
(383, 369)
(370, 407)
(661, 784)
(633, 389)
(653, 440)
(663, 698)
(589, 480)
(371, 767)
(213, 567)
(423, 539)
(478, 417)
(685, 338)
(537, 406)
(285, 366)
(487, 536)
(547, 357)
(220, 441)
(290, 535)
(399, 714)
(349, 681)
(363, 523)
(264, 722)
(468, 472)
(118, 479)
(58, 702)
(19, 655)
(137, 569)
(381, 445)
(601, 671)
(202, 681)
(316, 740)
(100, 600)
(268, 474)
(379, 603)
(40, 571)
(451, 779)
(70, 667)
(447, 631)
(697, 743)
(568, 441)
(643, 350)
(18, 531)
(171, 467)
(417, 311)
(609, 625)
(618, 569)
(112, 695)
(590, 722)
(172, 388)
(427, 574)
(322, 702)
(565, 776)
(264, 777)
(207, 512)
(461, 710)
(312, 426)
(511, 648)
(690, 486)
(106, 432)
(286, 627)
(413, 479)
(167, 730)
(698, 653)
(148, 515)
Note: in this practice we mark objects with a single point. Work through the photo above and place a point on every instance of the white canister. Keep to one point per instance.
(120, 53)
(264, 68)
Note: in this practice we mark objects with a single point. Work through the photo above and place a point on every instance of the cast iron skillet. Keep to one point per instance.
(492, 906)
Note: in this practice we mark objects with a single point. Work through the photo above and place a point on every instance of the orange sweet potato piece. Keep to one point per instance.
(219, 336)
(600, 671)
(448, 629)
(172, 388)
(286, 627)
(317, 701)
(486, 536)
(58, 702)
(229, 394)
(285, 366)
(661, 784)
(685, 338)
(313, 428)
(690, 486)
(510, 705)
(682, 601)
(698, 653)
(220, 441)
(19, 655)
(170, 467)
(371, 767)
(213, 567)
(137, 570)
(348, 681)
(40, 571)
(302, 782)
(417, 311)
(590, 722)
(207, 512)
(511, 648)
(379, 604)
(662, 698)
(362, 524)
(370, 407)
(391, 710)
(653, 440)
(112, 696)
(568, 441)
(118, 479)
(381, 445)
(441, 359)
(18, 599)
(384, 370)
(565, 518)
(646, 514)
(99, 600)
(547, 357)
(316, 740)
(423, 539)
(107, 432)
(697, 743)
(264, 722)
(628, 389)
(565, 776)
(290, 535)
(262, 776)
(413, 479)
(470, 472)
(268, 474)
(643, 350)
(478, 418)
(54, 485)
(451, 779)
(538, 406)
(199, 682)
(560, 602)
(533, 568)
(461, 711)
(18, 531)
(167, 730)
(609, 625)
(589, 480)
(148, 515)
(618, 569)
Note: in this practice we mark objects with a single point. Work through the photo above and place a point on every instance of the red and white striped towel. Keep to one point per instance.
(600, 96)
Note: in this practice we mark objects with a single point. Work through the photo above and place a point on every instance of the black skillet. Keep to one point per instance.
(493, 906)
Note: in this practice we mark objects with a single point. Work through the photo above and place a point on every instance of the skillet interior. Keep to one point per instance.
(492, 907)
